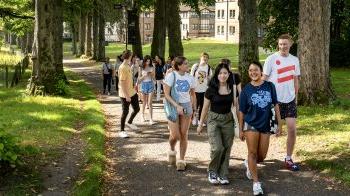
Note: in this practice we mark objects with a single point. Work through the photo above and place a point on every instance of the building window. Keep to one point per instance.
(232, 14)
(222, 30)
(218, 13)
(147, 26)
(222, 13)
(232, 30)
(218, 30)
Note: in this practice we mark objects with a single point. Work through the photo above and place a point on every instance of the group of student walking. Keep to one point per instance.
(206, 97)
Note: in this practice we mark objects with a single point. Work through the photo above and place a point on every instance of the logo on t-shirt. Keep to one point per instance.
(278, 62)
(261, 98)
(182, 86)
(201, 76)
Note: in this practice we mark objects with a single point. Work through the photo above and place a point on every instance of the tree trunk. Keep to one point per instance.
(88, 39)
(74, 37)
(44, 78)
(23, 43)
(29, 42)
(137, 47)
(82, 33)
(248, 37)
(57, 20)
(313, 49)
(13, 39)
(159, 32)
(95, 32)
(101, 38)
(174, 29)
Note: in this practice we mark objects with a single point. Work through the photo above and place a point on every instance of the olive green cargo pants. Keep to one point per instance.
(221, 132)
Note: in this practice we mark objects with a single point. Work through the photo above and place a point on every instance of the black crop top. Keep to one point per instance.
(220, 104)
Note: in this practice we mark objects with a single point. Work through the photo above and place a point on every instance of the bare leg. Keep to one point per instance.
(291, 138)
(252, 139)
(264, 142)
(144, 102)
(184, 126)
(174, 129)
(150, 109)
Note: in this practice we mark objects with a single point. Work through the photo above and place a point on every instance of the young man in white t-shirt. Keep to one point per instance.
(283, 69)
(202, 73)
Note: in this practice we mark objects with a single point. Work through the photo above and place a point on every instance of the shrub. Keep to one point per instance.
(9, 149)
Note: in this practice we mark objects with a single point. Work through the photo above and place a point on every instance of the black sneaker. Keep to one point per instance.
(223, 180)
(213, 177)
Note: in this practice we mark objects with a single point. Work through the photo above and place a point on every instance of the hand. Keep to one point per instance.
(180, 110)
(241, 135)
(128, 99)
(199, 129)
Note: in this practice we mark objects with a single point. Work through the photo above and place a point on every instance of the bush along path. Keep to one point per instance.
(138, 165)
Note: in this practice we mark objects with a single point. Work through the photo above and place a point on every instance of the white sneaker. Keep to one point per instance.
(158, 98)
(257, 190)
(194, 121)
(247, 173)
(123, 134)
(131, 126)
(151, 122)
(142, 119)
(108, 93)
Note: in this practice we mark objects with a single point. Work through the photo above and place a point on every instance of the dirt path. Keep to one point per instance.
(138, 165)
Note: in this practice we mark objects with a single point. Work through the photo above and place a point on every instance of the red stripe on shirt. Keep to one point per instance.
(285, 79)
(285, 69)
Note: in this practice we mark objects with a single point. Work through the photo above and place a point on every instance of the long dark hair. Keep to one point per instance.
(214, 81)
(145, 61)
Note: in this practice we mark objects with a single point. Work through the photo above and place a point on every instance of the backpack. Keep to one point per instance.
(109, 70)
(196, 68)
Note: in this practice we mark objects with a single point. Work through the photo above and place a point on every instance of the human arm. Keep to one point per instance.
(168, 97)
(296, 87)
(241, 124)
(203, 116)
(279, 120)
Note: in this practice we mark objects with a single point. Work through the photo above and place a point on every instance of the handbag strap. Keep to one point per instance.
(172, 91)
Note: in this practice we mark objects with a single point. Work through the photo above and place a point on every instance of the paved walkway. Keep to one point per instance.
(138, 165)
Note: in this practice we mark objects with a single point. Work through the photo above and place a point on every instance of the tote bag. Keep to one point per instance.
(170, 110)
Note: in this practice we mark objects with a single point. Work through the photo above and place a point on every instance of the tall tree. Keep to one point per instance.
(101, 37)
(44, 79)
(174, 31)
(248, 39)
(82, 33)
(159, 31)
(95, 20)
(313, 50)
(57, 32)
(88, 40)
(137, 47)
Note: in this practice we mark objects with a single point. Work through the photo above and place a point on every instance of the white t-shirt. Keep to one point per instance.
(183, 84)
(201, 77)
(145, 73)
(281, 71)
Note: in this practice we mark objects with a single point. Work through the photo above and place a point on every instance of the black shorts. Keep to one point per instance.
(288, 110)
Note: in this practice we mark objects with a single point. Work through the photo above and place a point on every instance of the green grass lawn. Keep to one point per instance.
(43, 125)
(192, 50)
(323, 140)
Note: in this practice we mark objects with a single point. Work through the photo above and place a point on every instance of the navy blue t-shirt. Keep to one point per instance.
(255, 102)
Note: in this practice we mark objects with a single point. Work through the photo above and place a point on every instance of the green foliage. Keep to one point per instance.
(62, 87)
(9, 149)
(18, 23)
(278, 17)
(339, 53)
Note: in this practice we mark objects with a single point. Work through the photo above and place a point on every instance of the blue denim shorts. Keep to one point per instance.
(187, 108)
(147, 87)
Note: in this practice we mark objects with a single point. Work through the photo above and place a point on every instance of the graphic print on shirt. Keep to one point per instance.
(261, 98)
(201, 76)
(285, 72)
(182, 86)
